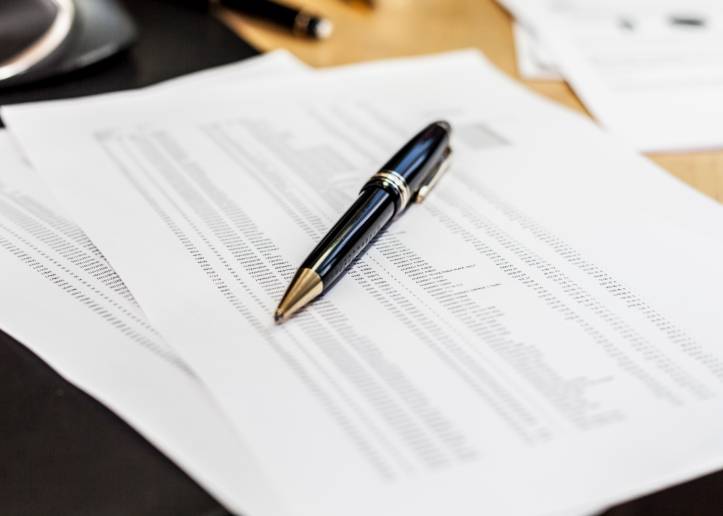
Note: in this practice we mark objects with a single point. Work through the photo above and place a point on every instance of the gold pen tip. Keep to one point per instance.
(304, 288)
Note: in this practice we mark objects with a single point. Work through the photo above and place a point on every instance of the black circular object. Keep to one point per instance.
(43, 38)
(22, 23)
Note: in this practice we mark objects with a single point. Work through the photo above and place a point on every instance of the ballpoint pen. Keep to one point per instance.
(298, 21)
(408, 176)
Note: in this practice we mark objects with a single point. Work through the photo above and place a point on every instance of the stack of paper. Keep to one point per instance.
(651, 71)
(63, 300)
(531, 340)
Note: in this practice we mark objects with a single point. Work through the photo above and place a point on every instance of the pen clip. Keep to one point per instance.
(435, 176)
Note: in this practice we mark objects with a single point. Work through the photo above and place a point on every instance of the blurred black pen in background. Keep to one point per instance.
(298, 21)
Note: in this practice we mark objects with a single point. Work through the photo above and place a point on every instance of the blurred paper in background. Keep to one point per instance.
(650, 72)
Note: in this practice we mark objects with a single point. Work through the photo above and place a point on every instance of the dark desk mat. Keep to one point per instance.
(61, 452)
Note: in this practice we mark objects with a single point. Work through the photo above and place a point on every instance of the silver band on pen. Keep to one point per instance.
(390, 179)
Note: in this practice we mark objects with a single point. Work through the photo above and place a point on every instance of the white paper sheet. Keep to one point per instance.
(62, 300)
(534, 62)
(650, 71)
(532, 339)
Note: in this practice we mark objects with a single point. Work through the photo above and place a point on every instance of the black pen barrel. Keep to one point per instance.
(368, 215)
(265, 9)
(291, 18)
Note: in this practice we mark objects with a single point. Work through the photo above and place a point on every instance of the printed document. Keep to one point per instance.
(531, 339)
(62, 299)
(650, 71)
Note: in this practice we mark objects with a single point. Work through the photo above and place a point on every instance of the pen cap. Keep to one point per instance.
(422, 155)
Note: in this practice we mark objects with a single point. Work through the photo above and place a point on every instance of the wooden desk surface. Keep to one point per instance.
(412, 27)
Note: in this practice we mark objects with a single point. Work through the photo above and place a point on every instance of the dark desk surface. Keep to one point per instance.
(61, 452)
